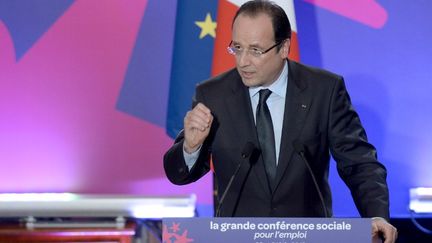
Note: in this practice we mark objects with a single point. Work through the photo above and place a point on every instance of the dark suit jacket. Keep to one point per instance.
(318, 113)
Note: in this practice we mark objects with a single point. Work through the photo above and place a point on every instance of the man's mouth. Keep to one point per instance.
(247, 74)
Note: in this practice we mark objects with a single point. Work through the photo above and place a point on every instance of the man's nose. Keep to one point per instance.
(243, 58)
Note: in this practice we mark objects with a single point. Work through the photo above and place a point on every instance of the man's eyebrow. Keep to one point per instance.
(255, 45)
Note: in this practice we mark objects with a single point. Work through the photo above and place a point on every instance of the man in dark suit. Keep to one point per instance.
(295, 115)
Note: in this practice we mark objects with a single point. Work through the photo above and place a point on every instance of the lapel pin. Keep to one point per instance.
(303, 106)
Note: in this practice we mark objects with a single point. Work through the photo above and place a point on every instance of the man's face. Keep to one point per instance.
(257, 33)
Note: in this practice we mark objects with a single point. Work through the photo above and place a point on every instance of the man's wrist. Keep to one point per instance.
(379, 218)
(190, 150)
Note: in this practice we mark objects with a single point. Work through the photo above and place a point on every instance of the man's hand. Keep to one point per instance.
(381, 227)
(197, 123)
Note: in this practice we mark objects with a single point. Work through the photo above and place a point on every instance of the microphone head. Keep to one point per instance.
(298, 146)
(248, 149)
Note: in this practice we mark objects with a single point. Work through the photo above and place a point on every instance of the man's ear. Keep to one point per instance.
(285, 48)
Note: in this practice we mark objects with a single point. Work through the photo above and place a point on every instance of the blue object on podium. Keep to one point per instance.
(267, 230)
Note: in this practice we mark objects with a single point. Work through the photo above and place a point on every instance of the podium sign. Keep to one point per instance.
(266, 230)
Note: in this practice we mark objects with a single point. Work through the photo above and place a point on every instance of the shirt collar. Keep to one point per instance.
(278, 87)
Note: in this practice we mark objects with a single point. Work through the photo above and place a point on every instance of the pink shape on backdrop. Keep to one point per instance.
(367, 12)
(153, 187)
(59, 127)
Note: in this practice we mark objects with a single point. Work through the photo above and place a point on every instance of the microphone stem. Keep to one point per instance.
(315, 183)
(226, 189)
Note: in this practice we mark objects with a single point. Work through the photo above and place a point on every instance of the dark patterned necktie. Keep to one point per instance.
(265, 133)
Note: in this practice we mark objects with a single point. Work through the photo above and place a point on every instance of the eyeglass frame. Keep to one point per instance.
(253, 53)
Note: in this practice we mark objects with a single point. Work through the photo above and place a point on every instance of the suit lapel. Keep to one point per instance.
(244, 126)
(297, 105)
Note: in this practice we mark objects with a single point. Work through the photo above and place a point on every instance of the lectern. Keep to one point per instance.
(267, 230)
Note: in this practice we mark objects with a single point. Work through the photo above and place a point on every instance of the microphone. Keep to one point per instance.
(247, 151)
(300, 149)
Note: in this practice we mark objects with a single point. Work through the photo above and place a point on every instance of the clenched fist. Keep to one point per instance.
(197, 123)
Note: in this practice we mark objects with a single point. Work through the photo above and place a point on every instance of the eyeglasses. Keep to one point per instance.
(237, 50)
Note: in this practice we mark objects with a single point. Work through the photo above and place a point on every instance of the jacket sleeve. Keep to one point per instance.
(356, 158)
(175, 166)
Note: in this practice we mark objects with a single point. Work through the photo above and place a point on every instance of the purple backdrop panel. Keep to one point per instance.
(385, 59)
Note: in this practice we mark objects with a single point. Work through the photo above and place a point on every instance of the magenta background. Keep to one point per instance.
(83, 105)
(59, 128)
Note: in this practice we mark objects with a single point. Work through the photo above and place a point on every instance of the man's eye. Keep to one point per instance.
(256, 50)
(237, 47)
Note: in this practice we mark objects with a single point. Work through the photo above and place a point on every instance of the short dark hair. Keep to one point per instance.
(280, 22)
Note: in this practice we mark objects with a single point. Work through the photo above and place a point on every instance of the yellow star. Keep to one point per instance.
(208, 27)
